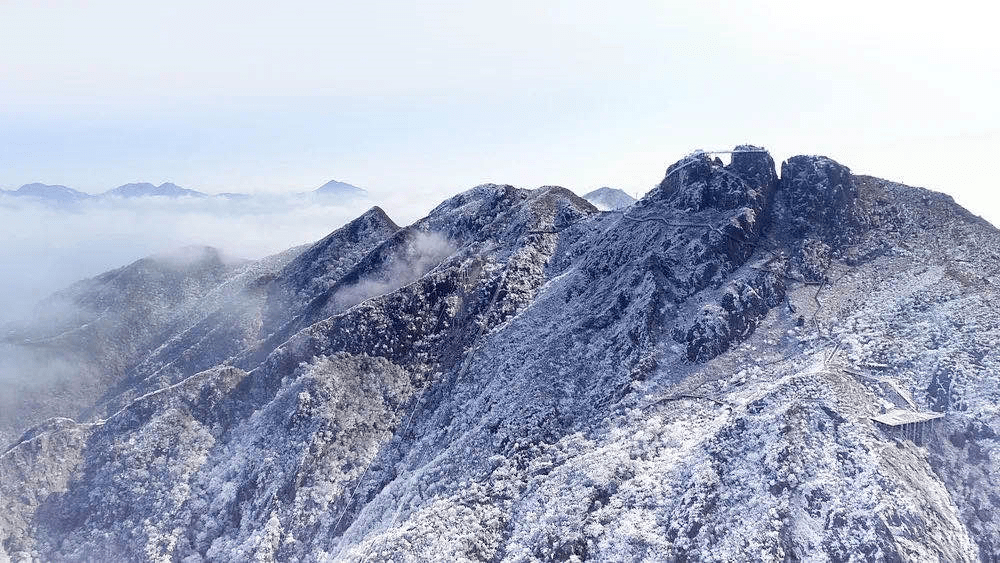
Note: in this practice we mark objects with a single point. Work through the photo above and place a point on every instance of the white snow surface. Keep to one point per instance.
(609, 199)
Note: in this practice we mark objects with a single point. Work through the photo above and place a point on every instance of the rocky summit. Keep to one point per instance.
(740, 366)
(609, 199)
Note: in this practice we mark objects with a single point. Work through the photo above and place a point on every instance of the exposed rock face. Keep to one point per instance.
(741, 305)
(519, 376)
(819, 201)
(754, 163)
(696, 183)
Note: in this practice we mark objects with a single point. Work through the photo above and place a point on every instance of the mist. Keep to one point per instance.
(424, 251)
(44, 248)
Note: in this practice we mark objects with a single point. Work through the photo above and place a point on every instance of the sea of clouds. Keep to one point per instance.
(45, 247)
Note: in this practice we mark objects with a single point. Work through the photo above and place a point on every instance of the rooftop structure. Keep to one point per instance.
(899, 417)
(910, 425)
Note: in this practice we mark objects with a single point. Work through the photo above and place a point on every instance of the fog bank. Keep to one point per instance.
(44, 248)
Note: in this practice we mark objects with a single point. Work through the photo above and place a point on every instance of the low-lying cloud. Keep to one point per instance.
(424, 251)
(44, 248)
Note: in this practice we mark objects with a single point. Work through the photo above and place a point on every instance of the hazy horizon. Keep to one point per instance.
(416, 102)
(434, 98)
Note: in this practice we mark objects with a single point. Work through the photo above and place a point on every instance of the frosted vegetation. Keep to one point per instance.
(520, 376)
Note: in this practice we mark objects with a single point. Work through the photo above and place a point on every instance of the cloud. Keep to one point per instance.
(424, 251)
(45, 248)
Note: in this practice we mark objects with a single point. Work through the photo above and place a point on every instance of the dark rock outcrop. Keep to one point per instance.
(699, 182)
(740, 307)
(818, 200)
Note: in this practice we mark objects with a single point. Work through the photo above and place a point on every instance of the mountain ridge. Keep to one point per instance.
(521, 376)
(145, 189)
(49, 191)
(63, 194)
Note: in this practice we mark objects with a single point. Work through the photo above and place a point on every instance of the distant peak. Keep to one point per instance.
(39, 185)
(334, 187)
(146, 189)
(40, 190)
(609, 199)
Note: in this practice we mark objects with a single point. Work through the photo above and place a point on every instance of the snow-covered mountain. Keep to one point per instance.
(520, 376)
(145, 189)
(333, 188)
(609, 199)
(84, 341)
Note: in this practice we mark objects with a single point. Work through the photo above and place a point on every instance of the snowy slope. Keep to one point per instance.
(520, 376)
(107, 340)
(609, 199)
(82, 341)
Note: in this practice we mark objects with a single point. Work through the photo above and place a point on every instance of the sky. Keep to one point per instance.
(416, 101)
(434, 97)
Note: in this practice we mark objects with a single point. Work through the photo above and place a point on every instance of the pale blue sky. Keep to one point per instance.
(418, 100)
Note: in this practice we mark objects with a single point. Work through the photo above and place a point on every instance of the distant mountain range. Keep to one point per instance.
(145, 189)
(58, 194)
(63, 194)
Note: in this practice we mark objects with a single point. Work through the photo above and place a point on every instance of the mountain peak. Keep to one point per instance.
(146, 189)
(754, 162)
(819, 196)
(609, 199)
(51, 192)
(378, 215)
(336, 188)
(700, 181)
